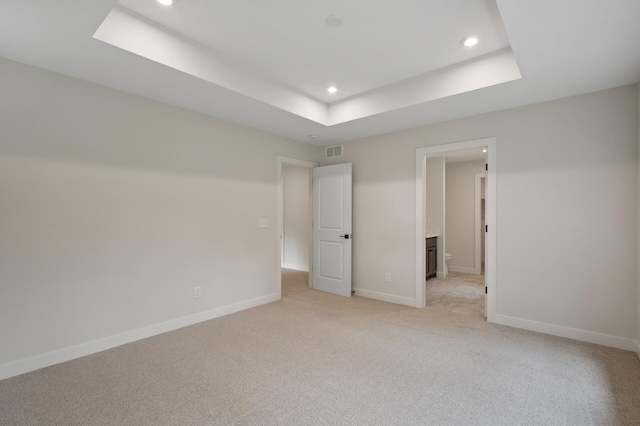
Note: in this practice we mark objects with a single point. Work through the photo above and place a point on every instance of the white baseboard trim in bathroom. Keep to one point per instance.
(83, 349)
(462, 269)
(441, 275)
(568, 332)
(638, 349)
(296, 267)
(384, 297)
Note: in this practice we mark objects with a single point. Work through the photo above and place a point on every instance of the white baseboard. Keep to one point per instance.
(441, 275)
(296, 267)
(568, 332)
(384, 297)
(462, 269)
(66, 354)
(638, 349)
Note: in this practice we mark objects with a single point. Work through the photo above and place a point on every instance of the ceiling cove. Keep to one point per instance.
(374, 65)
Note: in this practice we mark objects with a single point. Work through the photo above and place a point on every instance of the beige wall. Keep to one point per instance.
(567, 190)
(113, 208)
(297, 217)
(461, 214)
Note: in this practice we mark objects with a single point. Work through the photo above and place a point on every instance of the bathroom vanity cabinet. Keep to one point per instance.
(432, 256)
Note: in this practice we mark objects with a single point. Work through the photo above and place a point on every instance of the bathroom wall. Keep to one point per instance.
(460, 213)
(435, 205)
(297, 217)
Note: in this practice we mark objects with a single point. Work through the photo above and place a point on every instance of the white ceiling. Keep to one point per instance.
(397, 64)
(377, 44)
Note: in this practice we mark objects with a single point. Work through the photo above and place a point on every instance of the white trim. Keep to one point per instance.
(439, 275)
(638, 349)
(421, 252)
(281, 219)
(478, 222)
(490, 217)
(301, 268)
(569, 333)
(67, 354)
(461, 269)
(491, 221)
(280, 160)
(384, 297)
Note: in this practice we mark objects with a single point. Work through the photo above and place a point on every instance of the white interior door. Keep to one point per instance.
(332, 229)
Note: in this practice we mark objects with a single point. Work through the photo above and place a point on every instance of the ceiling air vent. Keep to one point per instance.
(334, 151)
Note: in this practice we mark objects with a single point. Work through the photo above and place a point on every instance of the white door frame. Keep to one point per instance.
(280, 234)
(490, 217)
(478, 225)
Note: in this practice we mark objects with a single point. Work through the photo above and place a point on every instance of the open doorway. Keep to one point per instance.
(296, 218)
(295, 188)
(457, 287)
(455, 231)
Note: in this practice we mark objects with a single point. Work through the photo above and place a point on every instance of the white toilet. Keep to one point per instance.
(447, 258)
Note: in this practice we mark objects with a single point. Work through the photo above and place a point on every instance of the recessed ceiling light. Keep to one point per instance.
(313, 136)
(469, 41)
(332, 89)
(333, 21)
(165, 2)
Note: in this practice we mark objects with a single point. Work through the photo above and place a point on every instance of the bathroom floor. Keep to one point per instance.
(460, 293)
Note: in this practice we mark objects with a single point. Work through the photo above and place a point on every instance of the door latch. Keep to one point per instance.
(346, 236)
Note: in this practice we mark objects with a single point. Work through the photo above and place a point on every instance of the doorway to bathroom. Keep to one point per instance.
(459, 286)
(449, 193)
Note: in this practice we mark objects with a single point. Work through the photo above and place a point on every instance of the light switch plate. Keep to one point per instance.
(263, 223)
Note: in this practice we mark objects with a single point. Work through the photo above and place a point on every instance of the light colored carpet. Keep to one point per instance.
(458, 293)
(314, 358)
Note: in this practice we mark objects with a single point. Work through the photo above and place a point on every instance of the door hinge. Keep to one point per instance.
(486, 228)
(486, 166)
(485, 290)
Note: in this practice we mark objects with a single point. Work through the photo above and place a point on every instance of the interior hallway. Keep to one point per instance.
(458, 293)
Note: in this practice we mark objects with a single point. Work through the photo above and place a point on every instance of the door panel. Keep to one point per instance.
(331, 260)
(332, 229)
(330, 201)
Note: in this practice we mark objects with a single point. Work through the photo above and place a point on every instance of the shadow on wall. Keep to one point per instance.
(83, 123)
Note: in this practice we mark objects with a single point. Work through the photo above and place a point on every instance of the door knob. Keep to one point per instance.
(346, 236)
